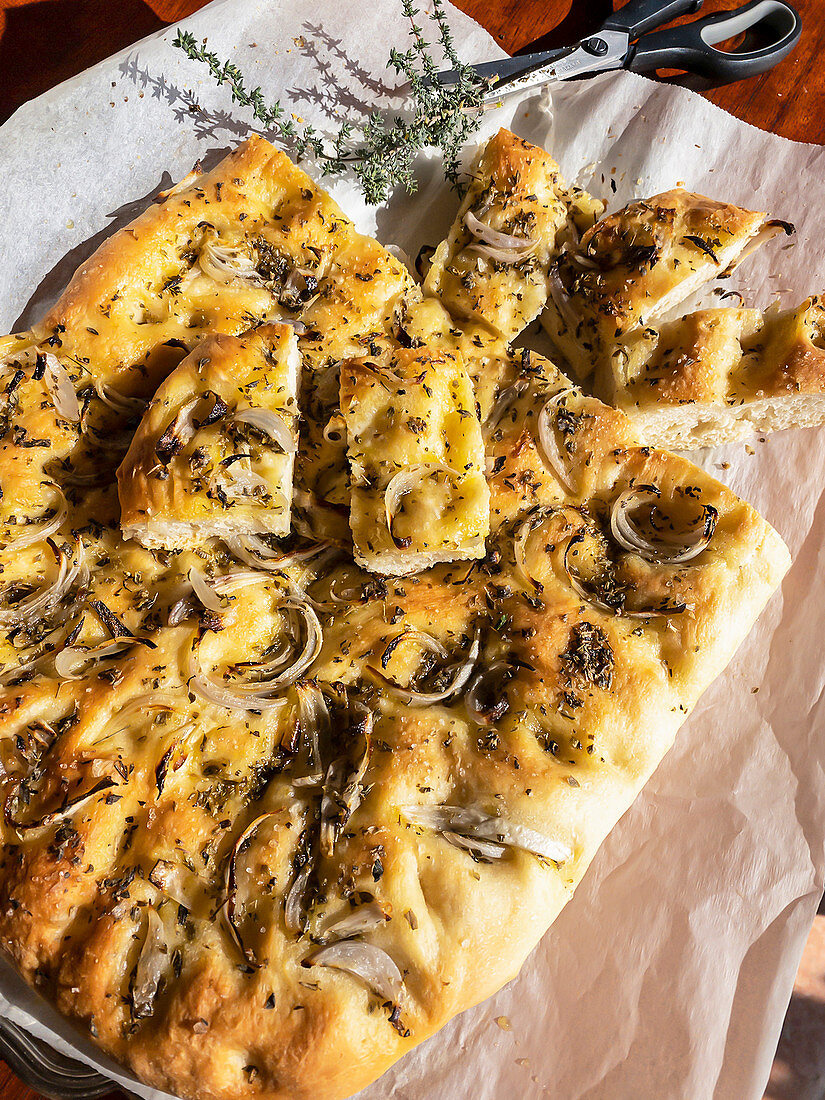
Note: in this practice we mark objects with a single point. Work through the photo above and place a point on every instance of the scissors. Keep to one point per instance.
(622, 42)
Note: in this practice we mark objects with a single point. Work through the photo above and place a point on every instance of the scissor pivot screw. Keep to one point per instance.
(596, 46)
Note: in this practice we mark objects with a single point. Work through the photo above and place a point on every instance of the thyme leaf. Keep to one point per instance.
(381, 154)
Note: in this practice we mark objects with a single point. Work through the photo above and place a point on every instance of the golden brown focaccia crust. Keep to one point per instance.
(252, 240)
(259, 823)
(493, 266)
(720, 374)
(419, 494)
(213, 454)
(635, 265)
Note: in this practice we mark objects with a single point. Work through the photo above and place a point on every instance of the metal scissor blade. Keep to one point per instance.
(507, 66)
(605, 50)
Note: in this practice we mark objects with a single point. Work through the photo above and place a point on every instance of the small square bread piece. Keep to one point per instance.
(718, 375)
(419, 493)
(637, 264)
(214, 452)
(493, 266)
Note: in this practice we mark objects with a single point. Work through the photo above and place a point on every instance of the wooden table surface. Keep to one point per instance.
(45, 41)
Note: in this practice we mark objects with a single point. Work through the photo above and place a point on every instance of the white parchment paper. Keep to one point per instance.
(668, 974)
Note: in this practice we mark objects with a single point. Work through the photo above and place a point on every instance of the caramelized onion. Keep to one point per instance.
(469, 824)
(69, 806)
(366, 918)
(365, 961)
(231, 889)
(271, 424)
(462, 675)
(227, 265)
(667, 547)
(547, 441)
(36, 532)
(42, 602)
(506, 242)
(261, 693)
(403, 482)
(152, 962)
(294, 916)
(343, 789)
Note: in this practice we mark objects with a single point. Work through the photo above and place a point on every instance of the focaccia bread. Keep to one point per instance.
(214, 452)
(253, 240)
(719, 375)
(493, 266)
(637, 264)
(265, 812)
(418, 491)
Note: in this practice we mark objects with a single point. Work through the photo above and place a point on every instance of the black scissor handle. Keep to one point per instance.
(643, 15)
(692, 46)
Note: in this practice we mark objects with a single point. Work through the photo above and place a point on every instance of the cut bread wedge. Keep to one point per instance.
(639, 263)
(493, 266)
(214, 453)
(419, 493)
(718, 375)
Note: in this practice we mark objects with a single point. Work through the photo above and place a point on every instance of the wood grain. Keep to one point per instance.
(43, 42)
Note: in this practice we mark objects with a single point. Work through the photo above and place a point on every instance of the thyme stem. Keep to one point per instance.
(382, 153)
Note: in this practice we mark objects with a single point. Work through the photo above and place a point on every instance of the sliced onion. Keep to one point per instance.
(501, 255)
(343, 790)
(361, 921)
(504, 402)
(182, 429)
(177, 882)
(36, 532)
(151, 964)
(469, 823)
(69, 806)
(205, 593)
(71, 663)
(294, 916)
(523, 533)
(119, 402)
(487, 715)
(254, 551)
(261, 694)
(238, 483)
(561, 299)
(313, 718)
(494, 237)
(231, 889)
(271, 424)
(410, 634)
(40, 604)
(593, 598)
(371, 964)
(668, 547)
(403, 482)
(175, 756)
(60, 387)
(227, 265)
(188, 181)
(766, 233)
(462, 676)
(484, 849)
(547, 441)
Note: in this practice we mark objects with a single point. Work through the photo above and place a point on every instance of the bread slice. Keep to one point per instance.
(639, 263)
(214, 452)
(718, 375)
(419, 493)
(493, 266)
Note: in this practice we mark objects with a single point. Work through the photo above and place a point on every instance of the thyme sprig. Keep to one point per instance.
(381, 154)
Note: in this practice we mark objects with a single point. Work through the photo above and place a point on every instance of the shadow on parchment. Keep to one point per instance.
(55, 281)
